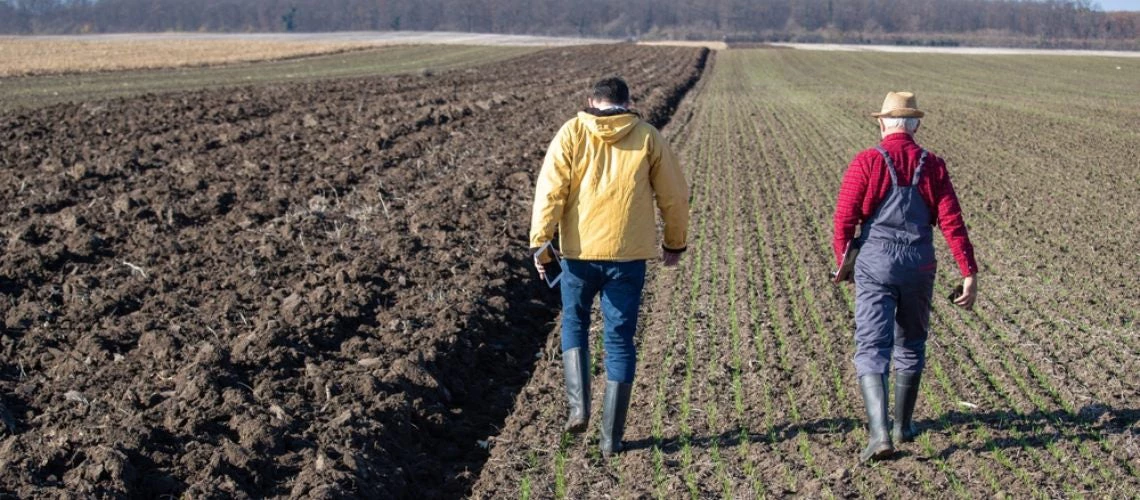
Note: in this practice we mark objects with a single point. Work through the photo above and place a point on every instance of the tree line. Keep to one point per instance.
(740, 19)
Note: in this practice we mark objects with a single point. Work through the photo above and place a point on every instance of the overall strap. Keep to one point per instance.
(918, 171)
(890, 166)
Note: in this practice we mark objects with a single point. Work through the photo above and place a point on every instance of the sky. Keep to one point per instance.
(1119, 4)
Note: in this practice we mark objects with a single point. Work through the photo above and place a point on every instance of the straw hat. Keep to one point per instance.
(899, 105)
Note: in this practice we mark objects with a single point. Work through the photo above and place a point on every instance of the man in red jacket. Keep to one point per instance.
(896, 192)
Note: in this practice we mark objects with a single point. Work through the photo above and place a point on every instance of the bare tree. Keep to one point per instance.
(851, 19)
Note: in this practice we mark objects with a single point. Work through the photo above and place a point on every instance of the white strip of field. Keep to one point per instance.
(379, 38)
(709, 44)
(355, 37)
(907, 49)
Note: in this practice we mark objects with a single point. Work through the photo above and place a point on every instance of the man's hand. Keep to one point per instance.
(969, 293)
(849, 279)
(541, 270)
(670, 259)
(538, 263)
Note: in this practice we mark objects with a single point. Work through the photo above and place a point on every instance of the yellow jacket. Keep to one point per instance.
(598, 185)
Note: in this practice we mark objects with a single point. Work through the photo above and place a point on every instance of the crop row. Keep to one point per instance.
(753, 393)
(805, 120)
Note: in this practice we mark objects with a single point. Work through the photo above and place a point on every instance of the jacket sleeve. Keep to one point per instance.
(847, 207)
(671, 192)
(553, 187)
(950, 220)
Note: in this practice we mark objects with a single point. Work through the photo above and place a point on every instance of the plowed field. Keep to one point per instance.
(745, 387)
(313, 290)
(47, 89)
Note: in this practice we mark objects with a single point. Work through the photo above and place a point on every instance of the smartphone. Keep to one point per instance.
(551, 263)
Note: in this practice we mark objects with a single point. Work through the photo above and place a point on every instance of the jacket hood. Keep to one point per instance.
(611, 128)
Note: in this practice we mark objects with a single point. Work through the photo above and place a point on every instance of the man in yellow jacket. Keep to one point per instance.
(602, 176)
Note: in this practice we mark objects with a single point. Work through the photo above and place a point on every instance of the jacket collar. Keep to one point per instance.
(609, 128)
(902, 137)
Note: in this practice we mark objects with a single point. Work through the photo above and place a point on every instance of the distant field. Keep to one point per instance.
(709, 44)
(917, 49)
(34, 91)
(38, 56)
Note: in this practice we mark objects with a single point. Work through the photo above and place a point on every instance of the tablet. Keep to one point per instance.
(551, 263)
(846, 270)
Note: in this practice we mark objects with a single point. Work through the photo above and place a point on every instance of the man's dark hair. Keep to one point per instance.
(612, 90)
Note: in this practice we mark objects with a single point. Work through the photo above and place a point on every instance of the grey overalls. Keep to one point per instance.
(894, 280)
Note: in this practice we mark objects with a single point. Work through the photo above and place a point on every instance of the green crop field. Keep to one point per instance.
(34, 91)
(745, 386)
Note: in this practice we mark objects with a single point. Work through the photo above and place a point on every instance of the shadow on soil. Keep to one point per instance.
(1037, 429)
(493, 364)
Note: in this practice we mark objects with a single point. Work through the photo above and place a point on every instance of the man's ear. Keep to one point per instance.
(882, 128)
(916, 127)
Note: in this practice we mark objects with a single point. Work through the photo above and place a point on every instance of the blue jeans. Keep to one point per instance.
(620, 284)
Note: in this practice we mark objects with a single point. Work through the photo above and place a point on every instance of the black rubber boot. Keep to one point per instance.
(906, 394)
(576, 366)
(874, 388)
(614, 409)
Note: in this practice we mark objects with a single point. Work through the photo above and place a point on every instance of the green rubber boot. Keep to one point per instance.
(906, 394)
(874, 388)
(576, 366)
(614, 410)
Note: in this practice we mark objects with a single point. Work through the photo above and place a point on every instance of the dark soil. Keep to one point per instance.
(309, 290)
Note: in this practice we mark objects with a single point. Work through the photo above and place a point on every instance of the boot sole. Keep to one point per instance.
(610, 453)
(903, 437)
(882, 452)
(575, 427)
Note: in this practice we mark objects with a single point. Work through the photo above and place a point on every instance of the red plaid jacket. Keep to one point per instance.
(867, 183)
